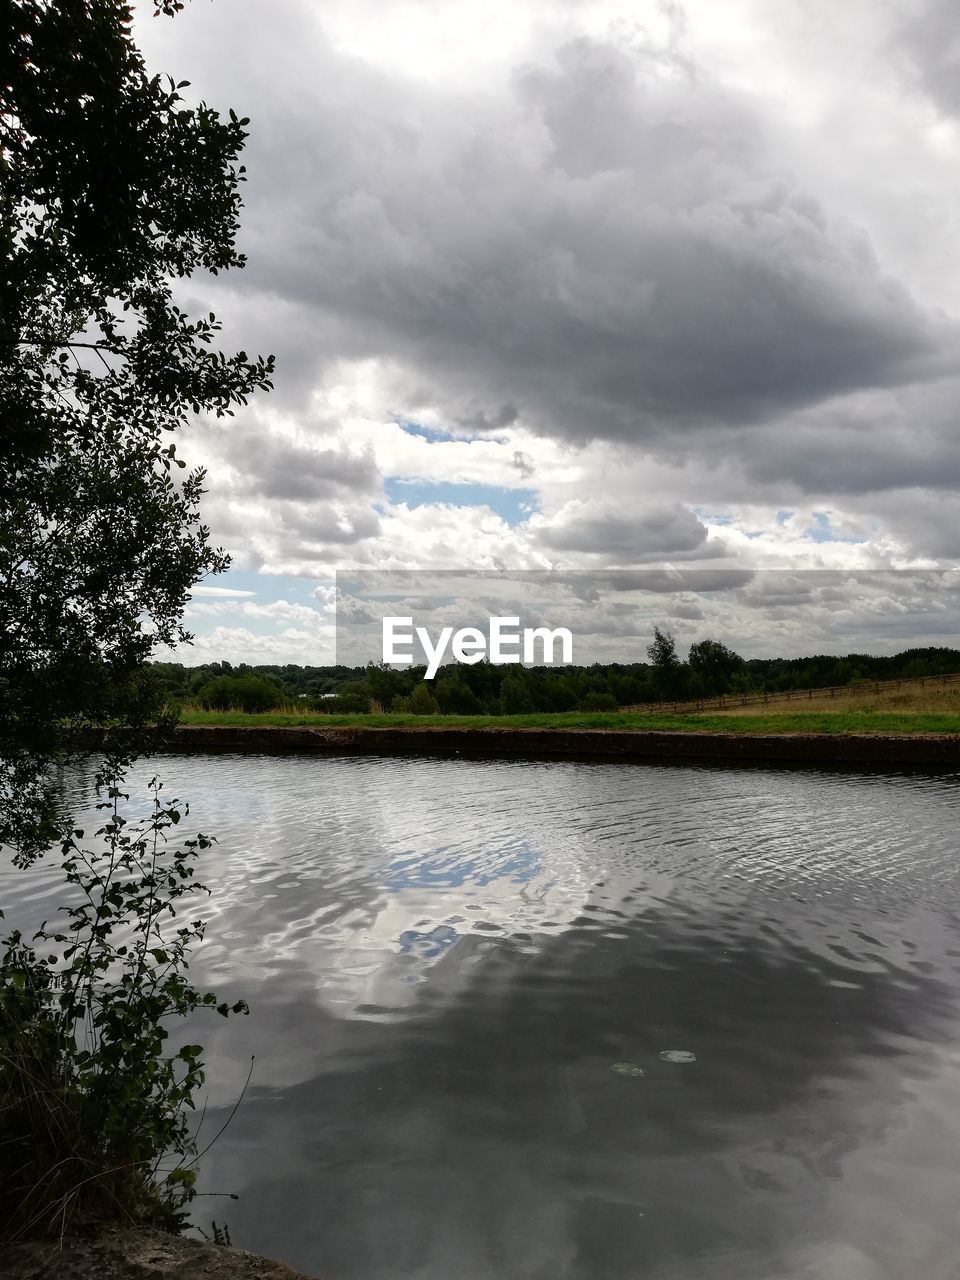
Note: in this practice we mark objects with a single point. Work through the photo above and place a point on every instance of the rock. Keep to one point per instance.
(135, 1254)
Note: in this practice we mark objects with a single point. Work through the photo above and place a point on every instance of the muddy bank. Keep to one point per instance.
(813, 748)
(135, 1255)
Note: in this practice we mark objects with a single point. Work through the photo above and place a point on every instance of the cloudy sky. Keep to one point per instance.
(579, 285)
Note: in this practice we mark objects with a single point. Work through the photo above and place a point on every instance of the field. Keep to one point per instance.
(896, 698)
(930, 708)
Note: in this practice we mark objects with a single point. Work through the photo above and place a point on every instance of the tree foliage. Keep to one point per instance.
(662, 651)
(94, 1108)
(713, 668)
(667, 671)
(241, 693)
(479, 689)
(112, 188)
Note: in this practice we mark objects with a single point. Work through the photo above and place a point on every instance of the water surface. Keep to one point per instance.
(470, 981)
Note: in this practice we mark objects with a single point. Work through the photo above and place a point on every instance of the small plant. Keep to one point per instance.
(94, 1105)
(220, 1235)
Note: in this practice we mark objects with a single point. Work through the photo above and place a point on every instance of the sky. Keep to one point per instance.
(582, 286)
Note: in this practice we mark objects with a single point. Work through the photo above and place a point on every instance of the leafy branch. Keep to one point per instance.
(94, 1105)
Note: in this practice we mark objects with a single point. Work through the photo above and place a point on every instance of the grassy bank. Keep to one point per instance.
(928, 699)
(811, 720)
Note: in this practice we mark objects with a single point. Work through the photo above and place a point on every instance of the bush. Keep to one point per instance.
(420, 703)
(559, 695)
(328, 706)
(458, 699)
(241, 693)
(93, 1108)
(599, 702)
(354, 698)
(515, 697)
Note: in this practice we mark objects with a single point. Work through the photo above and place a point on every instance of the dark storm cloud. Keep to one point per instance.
(590, 585)
(929, 42)
(861, 445)
(607, 248)
(506, 416)
(686, 610)
(653, 532)
(820, 460)
(276, 468)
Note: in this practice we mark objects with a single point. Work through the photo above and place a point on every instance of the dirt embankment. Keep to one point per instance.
(658, 745)
(135, 1255)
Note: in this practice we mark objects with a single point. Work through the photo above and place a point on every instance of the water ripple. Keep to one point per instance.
(666, 1018)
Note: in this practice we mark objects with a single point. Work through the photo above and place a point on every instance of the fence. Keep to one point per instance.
(730, 700)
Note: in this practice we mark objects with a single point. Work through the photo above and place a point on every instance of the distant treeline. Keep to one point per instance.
(712, 669)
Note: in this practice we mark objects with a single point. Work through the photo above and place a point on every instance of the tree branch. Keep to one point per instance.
(41, 342)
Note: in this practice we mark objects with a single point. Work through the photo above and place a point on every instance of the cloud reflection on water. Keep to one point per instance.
(444, 959)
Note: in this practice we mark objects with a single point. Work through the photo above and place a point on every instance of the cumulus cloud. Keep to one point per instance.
(929, 40)
(631, 262)
(683, 279)
(243, 630)
(621, 535)
(276, 469)
(612, 615)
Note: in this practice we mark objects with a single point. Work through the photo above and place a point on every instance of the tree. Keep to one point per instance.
(515, 697)
(667, 669)
(354, 697)
(420, 703)
(559, 694)
(713, 667)
(662, 650)
(111, 188)
(456, 698)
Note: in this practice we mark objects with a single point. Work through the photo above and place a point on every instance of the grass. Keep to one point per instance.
(812, 719)
(909, 699)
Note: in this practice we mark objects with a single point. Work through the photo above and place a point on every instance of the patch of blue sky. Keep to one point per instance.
(257, 626)
(437, 435)
(512, 505)
(784, 516)
(822, 531)
(714, 517)
(248, 584)
(433, 435)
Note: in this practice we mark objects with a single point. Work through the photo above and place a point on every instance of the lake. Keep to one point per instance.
(567, 1020)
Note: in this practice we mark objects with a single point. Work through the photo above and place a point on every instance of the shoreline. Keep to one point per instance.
(132, 1253)
(563, 743)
